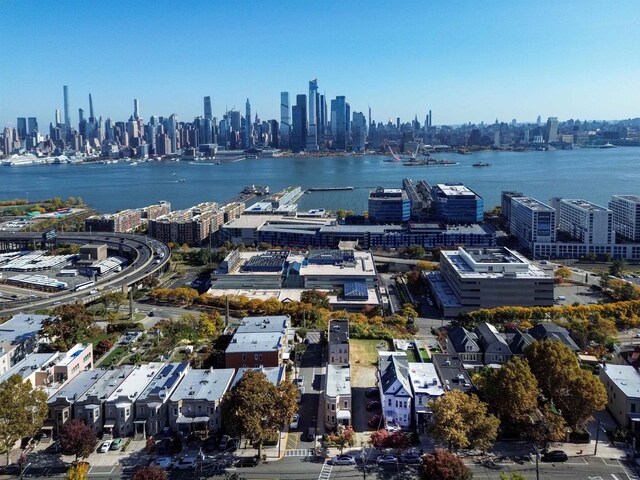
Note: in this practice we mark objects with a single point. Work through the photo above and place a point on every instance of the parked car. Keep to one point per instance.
(373, 405)
(116, 444)
(343, 460)
(390, 427)
(387, 460)
(163, 462)
(185, 463)
(371, 392)
(224, 442)
(104, 448)
(300, 394)
(294, 422)
(299, 381)
(411, 457)
(247, 461)
(555, 456)
(374, 421)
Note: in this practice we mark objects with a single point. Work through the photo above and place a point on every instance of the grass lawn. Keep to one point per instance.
(365, 352)
(364, 358)
(113, 357)
(102, 336)
(411, 355)
(425, 355)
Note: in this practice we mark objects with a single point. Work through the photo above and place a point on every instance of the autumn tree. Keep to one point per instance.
(443, 465)
(512, 391)
(78, 471)
(562, 273)
(462, 421)
(257, 408)
(152, 472)
(573, 390)
(23, 410)
(617, 267)
(548, 427)
(78, 439)
(512, 476)
(345, 436)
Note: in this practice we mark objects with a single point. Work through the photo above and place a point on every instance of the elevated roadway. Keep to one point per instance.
(139, 249)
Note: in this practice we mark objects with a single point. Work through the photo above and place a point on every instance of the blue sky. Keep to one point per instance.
(465, 60)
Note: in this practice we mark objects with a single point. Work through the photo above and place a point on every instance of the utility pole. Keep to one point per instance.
(537, 459)
(595, 450)
(226, 311)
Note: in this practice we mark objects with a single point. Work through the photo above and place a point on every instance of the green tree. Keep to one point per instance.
(70, 325)
(617, 267)
(512, 391)
(462, 421)
(23, 410)
(114, 299)
(258, 409)
(315, 298)
(78, 439)
(443, 465)
(415, 251)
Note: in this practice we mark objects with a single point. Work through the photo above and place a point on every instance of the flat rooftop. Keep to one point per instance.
(136, 382)
(274, 374)
(71, 355)
(584, 205)
(77, 386)
(338, 380)
(493, 255)
(255, 342)
(30, 364)
(338, 332)
(204, 384)
(107, 383)
(490, 262)
(631, 198)
(455, 190)
(255, 221)
(533, 204)
(625, 377)
(19, 327)
(273, 324)
(424, 379)
(164, 383)
(452, 373)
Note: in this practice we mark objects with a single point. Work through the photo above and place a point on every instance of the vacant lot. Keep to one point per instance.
(364, 358)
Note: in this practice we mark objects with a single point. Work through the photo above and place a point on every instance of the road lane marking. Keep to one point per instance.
(325, 473)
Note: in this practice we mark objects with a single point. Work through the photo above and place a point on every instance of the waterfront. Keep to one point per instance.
(593, 174)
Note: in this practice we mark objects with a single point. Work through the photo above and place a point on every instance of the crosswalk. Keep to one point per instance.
(325, 473)
(298, 452)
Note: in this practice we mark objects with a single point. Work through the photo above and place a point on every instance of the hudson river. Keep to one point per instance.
(593, 174)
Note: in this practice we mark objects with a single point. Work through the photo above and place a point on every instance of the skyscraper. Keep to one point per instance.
(58, 120)
(322, 126)
(136, 109)
(32, 125)
(171, 126)
(285, 119)
(248, 136)
(67, 114)
(207, 108)
(359, 131)
(91, 115)
(339, 122)
(299, 133)
(312, 136)
(552, 129)
(21, 126)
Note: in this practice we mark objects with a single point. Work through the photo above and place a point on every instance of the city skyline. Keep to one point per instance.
(468, 64)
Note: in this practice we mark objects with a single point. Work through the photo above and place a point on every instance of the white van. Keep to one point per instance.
(561, 298)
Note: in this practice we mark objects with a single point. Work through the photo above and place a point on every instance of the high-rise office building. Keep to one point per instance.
(347, 118)
(91, 115)
(21, 127)
(626, 216)
(67, 114)
(339, 122)
(207, 108)
(171, 127)
(136, 109)
(58, 119)
(359, 131)
(285, 119)
(551, 132)
(312, 135)
(322, 126)
(298, 134)
(248, 135)
(32, 125)
(455, 203)
(235, 121)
